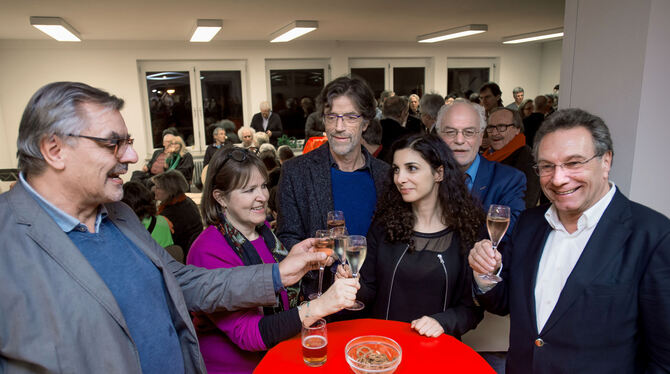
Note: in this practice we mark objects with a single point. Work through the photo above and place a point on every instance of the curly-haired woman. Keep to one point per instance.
(416, 267)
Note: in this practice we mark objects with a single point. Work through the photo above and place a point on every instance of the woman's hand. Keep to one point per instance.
(343, 272)
(427, 326)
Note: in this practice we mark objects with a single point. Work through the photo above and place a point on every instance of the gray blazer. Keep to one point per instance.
(305, 193)
(57, 314)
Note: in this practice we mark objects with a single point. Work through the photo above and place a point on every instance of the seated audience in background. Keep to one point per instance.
(533, 122)
(233, 204)
(141, 200)
(414, 106)
(517, 93)
(156, 164)
(219, 134)
(526, 108)
(395, 112)
(170, 189)
(372, 137)
(268, 122)
(180, 159)
(585, 280)
(285, 153)
(314, 126)
(416, 267)
(246, 135)
(461, 125)
(231, 132)
(261, 138)
(508, 146)
(449, 99)
(430, 105)
(490, 97)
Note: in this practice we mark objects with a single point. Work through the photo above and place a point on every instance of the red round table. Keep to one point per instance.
(420, 354)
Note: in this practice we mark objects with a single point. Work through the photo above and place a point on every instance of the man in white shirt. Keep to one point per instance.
(268, 122)
(586, 281)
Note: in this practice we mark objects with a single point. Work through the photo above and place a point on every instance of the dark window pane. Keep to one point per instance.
(461, 80)
(222, 99)
(288, 88)
(407, 81)
(170, 104)
(374, 77)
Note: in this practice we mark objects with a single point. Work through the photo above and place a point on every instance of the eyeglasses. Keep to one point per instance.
(451, 132)
(501, 128)
(349, 119)
(546, 169)
(115, 144)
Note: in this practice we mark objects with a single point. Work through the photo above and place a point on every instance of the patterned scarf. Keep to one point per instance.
(249, 256)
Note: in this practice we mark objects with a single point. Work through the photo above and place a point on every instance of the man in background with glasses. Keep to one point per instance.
(508, 146)
(339, 175)
(85, 289)
(586, 281)
(462, 126)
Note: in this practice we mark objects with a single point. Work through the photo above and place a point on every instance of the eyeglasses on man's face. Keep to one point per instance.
(451, 132)
(544, 169)
(116, 145)
(501, 128)
(349, 119)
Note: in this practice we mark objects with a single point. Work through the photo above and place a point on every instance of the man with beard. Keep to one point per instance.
(339, 175)
(85, 289)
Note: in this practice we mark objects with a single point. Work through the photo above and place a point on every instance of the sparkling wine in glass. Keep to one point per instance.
(355, 254)
(335, 219)
(340, 242)
(324, 243)
(497, 222)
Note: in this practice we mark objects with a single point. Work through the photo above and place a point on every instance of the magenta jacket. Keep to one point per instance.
(230, 342)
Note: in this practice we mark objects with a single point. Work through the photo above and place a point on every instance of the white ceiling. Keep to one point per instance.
(344, 20)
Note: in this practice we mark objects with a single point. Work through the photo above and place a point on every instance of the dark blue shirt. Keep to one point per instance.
(354, 194)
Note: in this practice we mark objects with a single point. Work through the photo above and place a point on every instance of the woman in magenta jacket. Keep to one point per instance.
(233, 204)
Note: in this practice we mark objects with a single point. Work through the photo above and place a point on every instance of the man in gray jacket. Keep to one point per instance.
(85, 289)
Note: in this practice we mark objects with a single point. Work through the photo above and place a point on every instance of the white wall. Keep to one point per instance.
(623, 78)
(550, 66)
(27, 65)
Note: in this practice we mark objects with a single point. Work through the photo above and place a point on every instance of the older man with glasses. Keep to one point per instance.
(508, 146)
(585, 280)
(85, 289)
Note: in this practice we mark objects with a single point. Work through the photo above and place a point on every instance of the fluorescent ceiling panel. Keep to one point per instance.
(534, 36)
(293, 30)
(206, 29)
(56, 28)
(456, 32)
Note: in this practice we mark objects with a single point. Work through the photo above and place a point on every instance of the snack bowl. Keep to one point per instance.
(373, 354)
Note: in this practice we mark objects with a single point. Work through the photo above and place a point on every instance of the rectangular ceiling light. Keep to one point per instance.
(456, 32)
(56, 28)
(206, 29)
(534, 36)
(293, 30)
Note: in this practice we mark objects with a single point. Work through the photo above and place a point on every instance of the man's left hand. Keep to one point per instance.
(299, 261)
(269, 133)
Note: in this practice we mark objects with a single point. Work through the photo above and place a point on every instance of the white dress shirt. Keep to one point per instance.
(561, 252)
(265, 122)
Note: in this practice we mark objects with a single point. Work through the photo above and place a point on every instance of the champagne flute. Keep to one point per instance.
(355, 254)
(497, 222)
(340, 242)
(335, 218)
(324, 243)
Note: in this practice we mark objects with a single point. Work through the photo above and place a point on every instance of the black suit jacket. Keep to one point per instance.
(274, 125)
(612, 315)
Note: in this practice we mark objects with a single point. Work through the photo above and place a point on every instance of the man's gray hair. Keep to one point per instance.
(244, 128)
(516, 90)
(431, 104)
(55, 110)
(476, 108)
(570, 118)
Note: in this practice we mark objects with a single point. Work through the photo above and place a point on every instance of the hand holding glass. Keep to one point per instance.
(324, 243)
(497, 222)
(355, 254)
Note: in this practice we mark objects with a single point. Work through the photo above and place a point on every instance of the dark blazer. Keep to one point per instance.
(391, 131)
(274, 125)
(305, 193)
(612, 315)
(522, 159)
(500, 184)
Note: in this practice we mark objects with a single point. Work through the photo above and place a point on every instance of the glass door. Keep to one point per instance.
(465, 75)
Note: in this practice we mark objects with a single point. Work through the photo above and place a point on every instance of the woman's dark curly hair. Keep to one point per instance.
(140, 199)
(460, 211)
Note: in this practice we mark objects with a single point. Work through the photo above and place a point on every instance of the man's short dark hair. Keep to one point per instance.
(395, 107)
(354, 88)
(516, 116)
(285, 153)
(55, 110)
(493, 86)
(566, 119)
